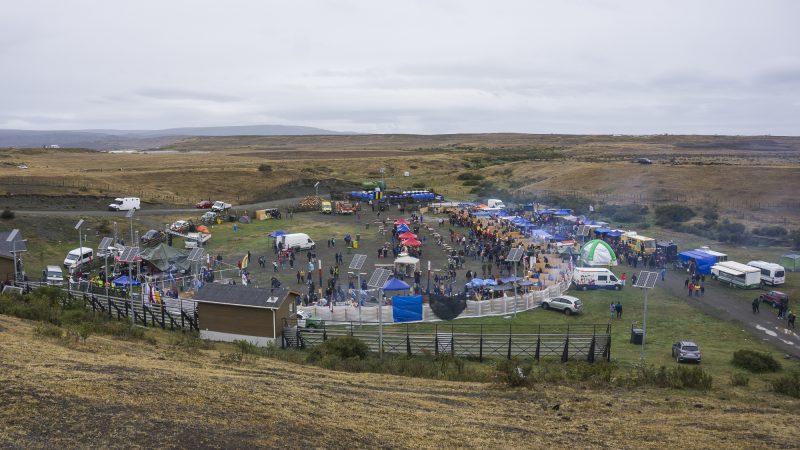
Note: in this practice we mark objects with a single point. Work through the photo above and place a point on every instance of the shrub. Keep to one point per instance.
(418, 185)
(247, 347)
(771, 231)
(265, 168)
(673, 214)
(465, 176)
(795, 237)
(341, 347)
(190, 341)
(511, 372)
(756, 362)
(788, 384)
(471, 183)
(739, 379)
(48, 330)
(7, 214)
(85, 330)
(678, 377)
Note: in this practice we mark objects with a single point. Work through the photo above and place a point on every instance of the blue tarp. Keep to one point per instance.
(407, 308)
(615, 233)
(601, 230)
(394, 284)
(275, 234)
(124, 281)
(703, 260)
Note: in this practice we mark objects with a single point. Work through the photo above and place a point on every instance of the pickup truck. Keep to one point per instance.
(344, 208)
(192, 239)
(220, 206)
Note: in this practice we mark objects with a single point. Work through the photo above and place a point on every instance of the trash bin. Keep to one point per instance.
(637, 334)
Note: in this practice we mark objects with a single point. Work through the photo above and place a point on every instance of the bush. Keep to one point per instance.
(340, 347)
(511, 372)
(795, 237)
(34, 306)
(771, 231)
(190, 341)
(678, 377)
(265, 168)
(756, 362)
(48, 330)
(418, 185)
(471, 183)
(247, 347)
(465, 176)
(673, 214)
(7, 214)
(739, 379)
(788, 384)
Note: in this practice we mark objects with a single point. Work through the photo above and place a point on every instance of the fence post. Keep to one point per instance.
(324, 332)
(436, 340)
(565, 354)
(480, 348)
(590, 358)
(163, 325)
(351, 328)
(509, 341)
(408, 342)
(452, 341)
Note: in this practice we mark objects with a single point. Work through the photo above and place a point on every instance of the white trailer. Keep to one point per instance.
(737, 274)
(125, 204)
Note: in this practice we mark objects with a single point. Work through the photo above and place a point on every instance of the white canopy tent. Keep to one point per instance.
(406, 264)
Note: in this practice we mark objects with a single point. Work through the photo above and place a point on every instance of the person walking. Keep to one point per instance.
(792, 318)
(755, 305)
(612, 309)
(618, 309)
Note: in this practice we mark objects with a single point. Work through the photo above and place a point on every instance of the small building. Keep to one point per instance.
(231, 312)
(7, 250)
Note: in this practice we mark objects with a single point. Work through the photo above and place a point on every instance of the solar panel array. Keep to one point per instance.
(583, 230)
(379, 278)
(105, 243)
(515, 254)
(646, 280)
(129, 254)
(358, 262)
(195, 255)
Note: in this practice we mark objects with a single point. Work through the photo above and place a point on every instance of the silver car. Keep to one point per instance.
(566, 303)
(686, 351)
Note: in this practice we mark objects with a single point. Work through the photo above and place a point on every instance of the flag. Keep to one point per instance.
(245, 261)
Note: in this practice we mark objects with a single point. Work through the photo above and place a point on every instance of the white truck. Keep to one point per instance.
(586, 278)
(495, 204)
(125, 204)
(193, 239)
(220, 206)
(54, 276)
(299, 241)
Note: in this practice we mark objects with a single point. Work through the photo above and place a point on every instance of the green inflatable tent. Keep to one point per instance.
(598, 253)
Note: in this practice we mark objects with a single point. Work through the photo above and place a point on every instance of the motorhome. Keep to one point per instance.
(125, 204)
(639, 243)
(721, 257)
(299, 241)
(54, 276)
(771, 273)
(586, 278)
(77, 257)
(737, 274)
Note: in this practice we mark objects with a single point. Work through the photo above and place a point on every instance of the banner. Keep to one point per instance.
(407, 308)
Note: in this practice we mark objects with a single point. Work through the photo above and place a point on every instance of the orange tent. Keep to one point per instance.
(407, 235)
(401, 221)
(412, 243)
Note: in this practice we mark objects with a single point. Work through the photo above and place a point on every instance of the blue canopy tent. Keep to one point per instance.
(615, 233)
(510, 279)
(275, 234)
(402, 228)
(395, 284)
(703, 261)
(125, 281)
(601, 230)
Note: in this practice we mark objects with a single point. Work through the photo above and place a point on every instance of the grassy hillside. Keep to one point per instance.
(112, 393)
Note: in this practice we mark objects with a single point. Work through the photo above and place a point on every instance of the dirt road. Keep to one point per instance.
(717, 302)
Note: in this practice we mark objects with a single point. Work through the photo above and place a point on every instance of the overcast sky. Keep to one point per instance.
(712, 67)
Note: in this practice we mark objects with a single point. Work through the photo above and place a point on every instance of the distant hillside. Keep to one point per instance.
(142, 139)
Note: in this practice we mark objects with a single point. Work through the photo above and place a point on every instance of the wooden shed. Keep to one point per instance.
(237, 312)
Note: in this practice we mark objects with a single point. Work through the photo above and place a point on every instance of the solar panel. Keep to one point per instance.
(358, 262)
(78, 225)
(515, 254)
(13, 235)
(379, 278)
(129, 214)
(129, 254)
(196, 254)
(646, 280)
(105, 243)
(583, 230)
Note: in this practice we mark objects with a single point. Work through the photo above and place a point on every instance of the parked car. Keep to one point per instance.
(774, 298)
(686, 351)
(180, 226)
(152, 238)
(208, 217)
(566, 303)
(644, 161)
(204, 204)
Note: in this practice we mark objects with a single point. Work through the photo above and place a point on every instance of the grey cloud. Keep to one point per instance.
(185, 94)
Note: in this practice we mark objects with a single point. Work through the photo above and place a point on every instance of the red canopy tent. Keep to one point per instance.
(411, 243)
(401, 221)
(407, 235)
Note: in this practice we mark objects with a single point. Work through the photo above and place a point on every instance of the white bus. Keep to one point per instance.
(771, 273)
(737, 274)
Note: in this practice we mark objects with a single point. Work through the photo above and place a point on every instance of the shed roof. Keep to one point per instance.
(241, 295)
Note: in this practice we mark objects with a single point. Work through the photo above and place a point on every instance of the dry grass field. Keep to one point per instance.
(107, 393)
(755, 175)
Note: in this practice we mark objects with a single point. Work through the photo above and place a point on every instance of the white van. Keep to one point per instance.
(54, 276)
(78, 257)
(585, 278)
(771, 273)
(299, 241)
(125, 204)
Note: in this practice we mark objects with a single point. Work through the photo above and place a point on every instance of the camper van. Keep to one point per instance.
(495, 204)
(721, 257)
(299, 241)
(771, 274)
(737, 274)
(125, 204)
(54, 276)
(639, 243)
(586, 278)
(78, 257)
